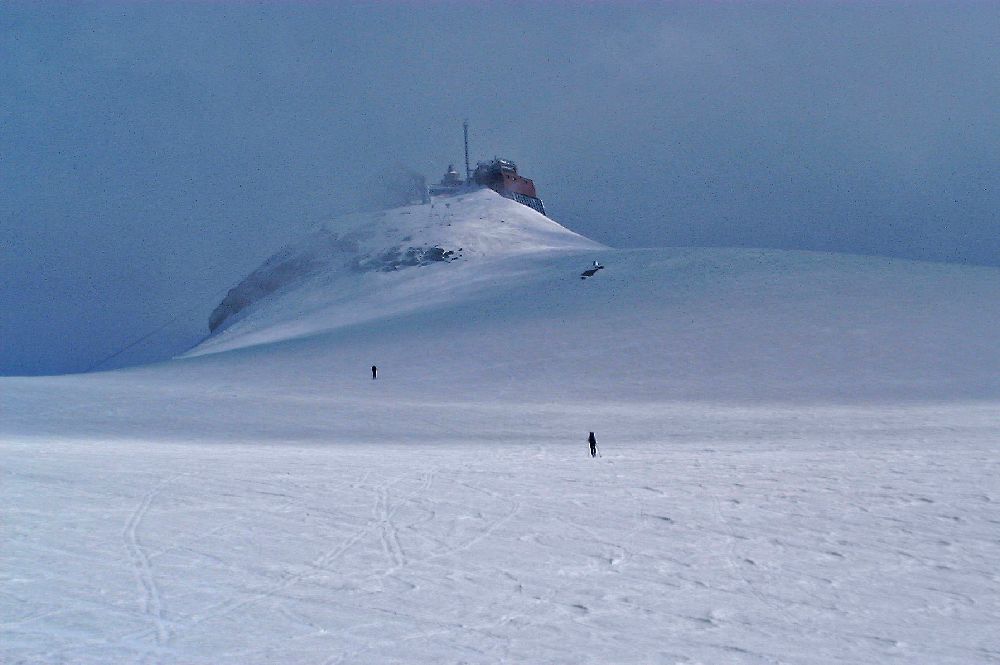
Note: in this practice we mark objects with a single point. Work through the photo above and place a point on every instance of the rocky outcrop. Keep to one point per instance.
(395, 258)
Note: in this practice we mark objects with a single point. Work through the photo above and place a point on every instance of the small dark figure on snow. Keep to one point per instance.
(374, 372)
(590, 272)
(593, 444)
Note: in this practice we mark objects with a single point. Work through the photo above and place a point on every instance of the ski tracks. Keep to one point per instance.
(387, 530)
(382, 522)
(317, 566)
(383, 525)
(149, 592)
(513, 508)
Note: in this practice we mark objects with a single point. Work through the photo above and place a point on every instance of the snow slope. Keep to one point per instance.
(799, 462)
(361, 267)
(705, 324)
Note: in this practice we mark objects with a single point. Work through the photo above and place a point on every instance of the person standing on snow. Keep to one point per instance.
(374, 372)
(593, 445)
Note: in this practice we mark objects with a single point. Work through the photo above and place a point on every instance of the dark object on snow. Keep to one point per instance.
(374, 372)
(592, 440)
(590, 272)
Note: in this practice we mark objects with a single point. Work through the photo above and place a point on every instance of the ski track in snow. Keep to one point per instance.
(151, 604)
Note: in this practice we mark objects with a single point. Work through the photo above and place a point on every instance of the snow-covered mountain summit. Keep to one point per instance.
(346, 263)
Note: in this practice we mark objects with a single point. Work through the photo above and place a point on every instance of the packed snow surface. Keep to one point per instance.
(799, 461)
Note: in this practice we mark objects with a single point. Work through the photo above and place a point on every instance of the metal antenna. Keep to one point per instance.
(465, 127)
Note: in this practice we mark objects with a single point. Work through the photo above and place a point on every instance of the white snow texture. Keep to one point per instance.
(798, 461)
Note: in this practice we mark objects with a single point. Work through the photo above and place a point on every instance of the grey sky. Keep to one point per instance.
(150, 155)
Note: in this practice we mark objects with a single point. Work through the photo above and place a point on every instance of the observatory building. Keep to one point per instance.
(500, 175)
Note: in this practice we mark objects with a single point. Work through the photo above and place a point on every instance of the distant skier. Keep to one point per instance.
(374, 372)
(592, 440)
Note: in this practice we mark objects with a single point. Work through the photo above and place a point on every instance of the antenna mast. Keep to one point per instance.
(465, 127)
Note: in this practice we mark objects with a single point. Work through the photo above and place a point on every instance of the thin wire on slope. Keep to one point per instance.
(154, 331)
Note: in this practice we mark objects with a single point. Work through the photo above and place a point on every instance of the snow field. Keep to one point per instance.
(739, 540)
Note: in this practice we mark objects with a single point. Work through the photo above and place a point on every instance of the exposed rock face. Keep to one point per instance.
(395, 258)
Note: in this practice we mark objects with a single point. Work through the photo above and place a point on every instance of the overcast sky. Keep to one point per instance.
(151, 155)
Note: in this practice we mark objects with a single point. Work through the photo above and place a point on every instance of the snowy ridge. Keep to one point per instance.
(332, 262)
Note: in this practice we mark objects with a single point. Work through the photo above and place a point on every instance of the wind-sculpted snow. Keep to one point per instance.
(478, 225)
(319, 251)
(292, 264)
